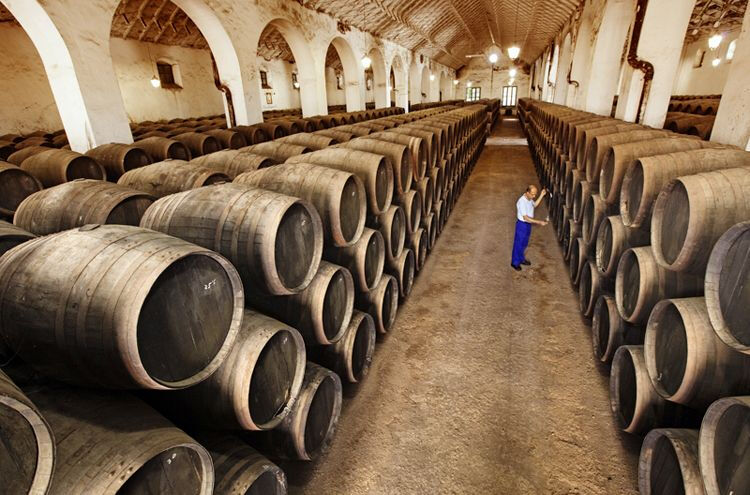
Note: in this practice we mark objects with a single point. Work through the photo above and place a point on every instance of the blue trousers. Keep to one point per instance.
(520, 241)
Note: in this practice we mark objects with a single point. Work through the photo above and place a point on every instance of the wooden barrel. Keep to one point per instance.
(290, 126)
(399, 156)
(641, 283)
(418, 244)
(10, 237)
(620, 158)
(118, 158)
(647, 176)
(311, 141)
(609, 331)
(727, 287)
(338, 196)
(28, 446)
(53, 167)
(142, 299)
(571, 231)
(392, 226)
(198, 143)
(180, 130)
(307, 431)
(228, 138)
(353, 129)
(668, 463)
(723, 446)
(239, 468)
(364, 259)
(109, 442)
(687, 361)
(320, 312)
(169, 177)
(253, 133)
(162, 148)
(692, 212)
(635, 404)
(351, 356)
(277, 150)
(429, 224)
(577, 260)
(80, 202)
(338, 135)
(444, 145)
(594, 212)
(33, 142)
(255, 386)
(437, 177)
(419, 154)
(16, 185)
(403, 269)
(233, 162)
(150, 134)
(426, 194)
(430, 140)
(601, 146)
(591, 285)
(581, 193)
(275, 241)
(273, 130)
(381, 303)
(613, 239)
(411, 203)
(375, 172)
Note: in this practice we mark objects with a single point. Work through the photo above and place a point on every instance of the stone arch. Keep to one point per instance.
(425, 84)
(445, 86)
(350, 67)
(379, 77)
(400, 88)
(415, 82)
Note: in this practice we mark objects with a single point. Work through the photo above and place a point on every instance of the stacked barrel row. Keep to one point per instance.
(693, 115)
(170, 333)
(655, 227)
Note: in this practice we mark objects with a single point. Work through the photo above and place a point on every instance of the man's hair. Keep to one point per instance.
(532, 186)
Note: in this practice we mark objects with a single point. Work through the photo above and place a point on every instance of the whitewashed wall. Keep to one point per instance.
(478, 72)
(706, 79)
(283, 94)
(335, 96)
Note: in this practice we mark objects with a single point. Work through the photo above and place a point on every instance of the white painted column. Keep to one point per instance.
(576, 96)
(550, 82)
(605, 62)
(661, 42)
(732, 125)
(561, 77)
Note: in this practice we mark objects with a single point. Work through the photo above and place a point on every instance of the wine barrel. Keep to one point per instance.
(351, 356)
(399, 155)
(339, 136)
(364, 259)
(418, 244)
(571, 231)
(613, 239)
(602, 145)
(275, 241)
(53, 167)
(590, 286)
(358, 131)
(620, 158)
(419, 154)
(609, 331)
(577, 260)
(32, 143)
(727, 287)
(375, 172)
(142, 299)
(278, 151)
(647, 176)
(428, 138)
(686, 360)
(429, 224)
(118, 158)
(402, 269)
(290, 126)
(594, 212)
(311, 141)
(669, 463)
(239, 468)
(233, 162)
(228, 138)
(581, 193)
(169, 177)
(16, 185)
(437, 177)
(80, 202)
(381, 303)
(426, 194)
(635, 404)
(253, 133)
(722, 446)
(273, 130)
(198, 143)
(307, 431)
(411, 203)
(255, 386)
(692, 212)
(338, 196)
(162, 148)
(28, 447)
(640, 283)
(392, 226)
(110, 442)
(11, 236)
(321, 311)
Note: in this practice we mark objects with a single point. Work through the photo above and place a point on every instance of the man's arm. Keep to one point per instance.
(533, 220)
(539, 199)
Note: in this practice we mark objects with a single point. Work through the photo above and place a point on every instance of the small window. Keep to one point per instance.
(730, 50)
(339, 81)
(473, 94)
(698, 60)
(295, 81)
(509, 96)
(264, 80)
(166, 76)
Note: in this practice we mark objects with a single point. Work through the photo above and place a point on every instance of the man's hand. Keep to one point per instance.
(543, 193)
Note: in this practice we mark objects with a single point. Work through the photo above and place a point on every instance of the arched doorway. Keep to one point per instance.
(425, 85)
(400, 91)
(342, 83)
(379, 79)
(415, 82)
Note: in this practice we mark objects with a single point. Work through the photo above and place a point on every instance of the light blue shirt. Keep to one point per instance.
(525, 207)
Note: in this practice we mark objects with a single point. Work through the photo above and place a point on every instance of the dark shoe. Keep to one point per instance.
(516, 268)
(526, 262)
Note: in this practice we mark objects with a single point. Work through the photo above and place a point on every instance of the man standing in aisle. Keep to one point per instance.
(525, 217)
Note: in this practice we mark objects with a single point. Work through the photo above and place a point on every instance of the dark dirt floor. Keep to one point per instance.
(487, 384)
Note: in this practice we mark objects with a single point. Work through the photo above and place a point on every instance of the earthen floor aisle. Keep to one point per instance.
(487, 384)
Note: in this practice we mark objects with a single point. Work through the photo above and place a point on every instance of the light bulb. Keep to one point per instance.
(455, 82)
(155, 82)
(493, 58)
(714, 41)
(716, 62)
(512, 73)
(432, 77)
(468, 84)
(514, 52)
(295, 84)
(366, 62)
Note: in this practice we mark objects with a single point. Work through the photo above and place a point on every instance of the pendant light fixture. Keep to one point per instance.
(514, 51)
(155, 81)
